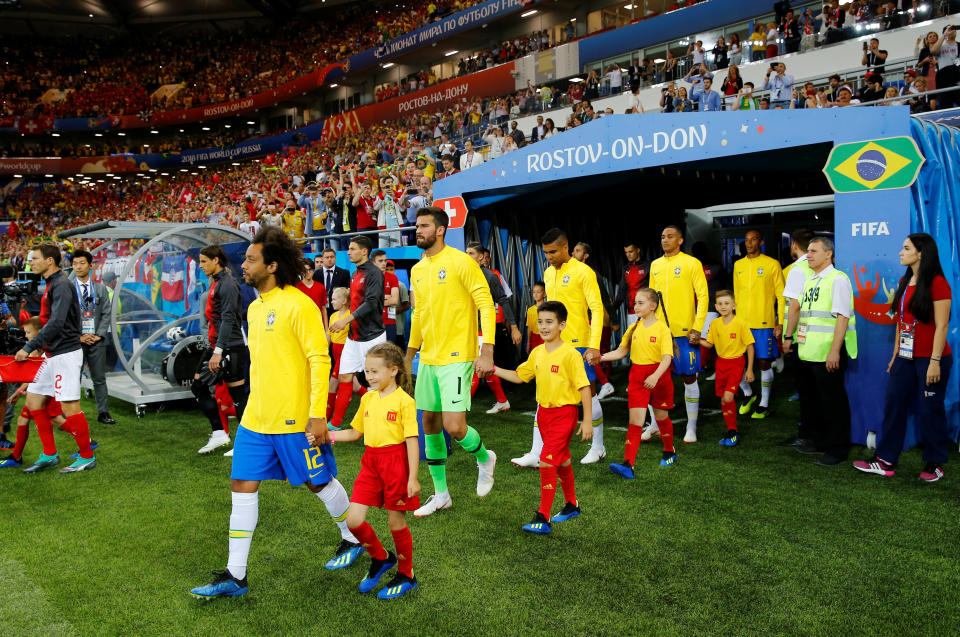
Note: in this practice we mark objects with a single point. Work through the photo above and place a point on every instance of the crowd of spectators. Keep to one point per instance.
(100, 147)
(120, 76)
(499, 54)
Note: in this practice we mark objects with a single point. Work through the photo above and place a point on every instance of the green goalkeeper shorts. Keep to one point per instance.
(444, 387)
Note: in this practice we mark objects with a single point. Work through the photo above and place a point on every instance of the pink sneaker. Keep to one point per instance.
(875, 465)
(932, 472)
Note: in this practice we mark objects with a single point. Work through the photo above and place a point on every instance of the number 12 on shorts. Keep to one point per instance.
(313, 461)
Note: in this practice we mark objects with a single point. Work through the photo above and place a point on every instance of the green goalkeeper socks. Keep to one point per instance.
(436, 452)
(472, 443)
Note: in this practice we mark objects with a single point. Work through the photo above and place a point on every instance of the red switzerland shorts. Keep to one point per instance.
(729, 374)
(337, 351)
(639, 397)
(556, 425)
(382, 481)
(53, 410)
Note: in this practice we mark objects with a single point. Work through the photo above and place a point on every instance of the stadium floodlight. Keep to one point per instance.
(54, 134)
(529, 13)
(226, 126)
(98, 134)
(48, 176)
(251, 123)
(206, 128)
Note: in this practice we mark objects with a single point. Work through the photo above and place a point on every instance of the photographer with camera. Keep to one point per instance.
(94, 322)
(227, 358)
(59, 375)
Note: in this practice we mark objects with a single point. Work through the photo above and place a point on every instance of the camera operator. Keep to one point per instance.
(227, 358)
(95, 321)
(59, 375)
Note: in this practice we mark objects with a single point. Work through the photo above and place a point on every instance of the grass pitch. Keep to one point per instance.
(747, 540)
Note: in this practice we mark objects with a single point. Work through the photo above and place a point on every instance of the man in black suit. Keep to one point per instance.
(330, 275)
(537, 133)
(635, 71)
(95, 306)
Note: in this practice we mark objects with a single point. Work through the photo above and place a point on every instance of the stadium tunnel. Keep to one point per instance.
(850, 172)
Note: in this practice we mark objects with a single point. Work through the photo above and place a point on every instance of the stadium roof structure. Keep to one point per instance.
(137, 15)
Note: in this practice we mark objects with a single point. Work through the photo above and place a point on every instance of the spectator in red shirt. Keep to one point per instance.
(364, 202)
(921, 362)
(314, 289)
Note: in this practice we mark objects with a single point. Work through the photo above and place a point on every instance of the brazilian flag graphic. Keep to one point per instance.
(880, 164)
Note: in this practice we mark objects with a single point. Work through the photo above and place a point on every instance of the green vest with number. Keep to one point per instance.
(815, 306)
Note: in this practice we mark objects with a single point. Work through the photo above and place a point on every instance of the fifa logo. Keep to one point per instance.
(869, 229)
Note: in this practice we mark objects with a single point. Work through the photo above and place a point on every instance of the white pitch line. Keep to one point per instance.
(25, 605)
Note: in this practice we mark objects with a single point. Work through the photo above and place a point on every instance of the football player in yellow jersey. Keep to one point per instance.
(450, 291)
(574, 284)
(682, 285)
(758, 288)
(289, 372)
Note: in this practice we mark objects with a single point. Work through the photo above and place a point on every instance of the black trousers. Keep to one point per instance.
(824, 405)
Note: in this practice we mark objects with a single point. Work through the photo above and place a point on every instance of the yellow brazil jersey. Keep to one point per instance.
(575, 285)
(560, 375)
(532, 319)
(449, 290)
(648, 345)
(339, 338)
(730, 339)
(386, 421)
(292, 224)
(290, 370)
(681, 281)
(758, 288)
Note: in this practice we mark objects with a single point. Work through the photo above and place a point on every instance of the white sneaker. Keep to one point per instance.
(649, 432)
(498, 407)
(691, 435)
(594, 455)
(485, 474)
(229, 454)
(528, 459)
(605, 391)
(712, 376)
(436, 502)
(217, 439)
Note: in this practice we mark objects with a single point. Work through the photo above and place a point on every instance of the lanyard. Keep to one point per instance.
(815, 288)
(903, 299)
(93, 297)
